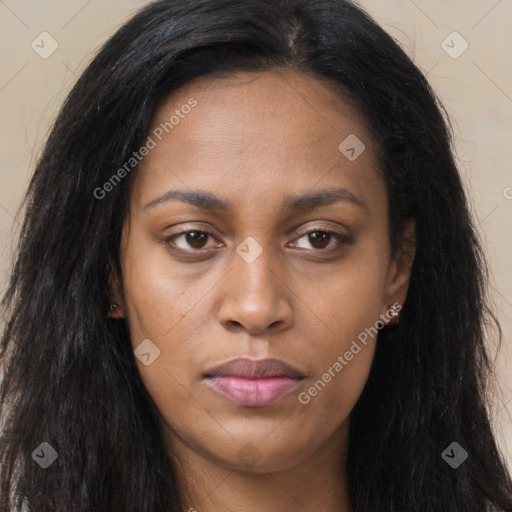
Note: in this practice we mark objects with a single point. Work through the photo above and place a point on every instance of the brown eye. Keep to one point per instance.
(320, 239)
(196, 239)
(191, 239)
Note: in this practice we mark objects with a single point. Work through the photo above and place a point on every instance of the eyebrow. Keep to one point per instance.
(208, 201)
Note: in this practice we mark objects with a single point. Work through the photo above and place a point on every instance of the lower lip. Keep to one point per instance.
(253, 392)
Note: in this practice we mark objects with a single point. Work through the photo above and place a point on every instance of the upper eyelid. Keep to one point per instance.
(299, 235)
(211, 231)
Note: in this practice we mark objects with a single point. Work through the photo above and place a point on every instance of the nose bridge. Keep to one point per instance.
(254, 267)
(255, 297)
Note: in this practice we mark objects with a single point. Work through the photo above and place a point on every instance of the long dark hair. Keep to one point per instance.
(70, 377)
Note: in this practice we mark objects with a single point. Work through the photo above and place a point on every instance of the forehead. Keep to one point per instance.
(260, 132)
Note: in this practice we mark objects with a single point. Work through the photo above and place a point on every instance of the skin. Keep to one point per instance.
(252, 139)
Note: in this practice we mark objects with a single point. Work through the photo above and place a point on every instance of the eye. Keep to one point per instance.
(320, 239)
(195, 239)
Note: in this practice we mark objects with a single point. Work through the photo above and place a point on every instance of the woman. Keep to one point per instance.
(248, 280)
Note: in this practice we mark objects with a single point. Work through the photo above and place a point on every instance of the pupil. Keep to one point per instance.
(193, 241)
(320, 235)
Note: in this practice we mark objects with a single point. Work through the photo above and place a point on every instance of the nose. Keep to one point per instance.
(256, 297)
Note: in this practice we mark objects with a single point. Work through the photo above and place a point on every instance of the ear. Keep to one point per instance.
(399, 272)
(116, 306)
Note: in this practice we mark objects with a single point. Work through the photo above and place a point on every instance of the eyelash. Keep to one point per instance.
(341, 238)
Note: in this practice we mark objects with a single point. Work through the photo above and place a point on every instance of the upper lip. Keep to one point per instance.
(254, 369)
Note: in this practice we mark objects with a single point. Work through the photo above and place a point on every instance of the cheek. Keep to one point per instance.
(349, 304)
(162, 306)
(344, 359)
(157, 296)
(348, 298)
(332, 393)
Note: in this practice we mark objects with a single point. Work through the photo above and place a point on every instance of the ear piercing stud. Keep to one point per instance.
(394, 311)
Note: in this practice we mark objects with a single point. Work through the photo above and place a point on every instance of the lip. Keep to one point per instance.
(254, 383)
(246, 368)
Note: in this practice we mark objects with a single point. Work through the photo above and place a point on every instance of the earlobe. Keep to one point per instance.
(115, 309)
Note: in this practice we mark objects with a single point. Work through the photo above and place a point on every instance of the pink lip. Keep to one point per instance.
(253, 392)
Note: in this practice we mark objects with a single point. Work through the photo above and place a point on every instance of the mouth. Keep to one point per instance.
(252, 383)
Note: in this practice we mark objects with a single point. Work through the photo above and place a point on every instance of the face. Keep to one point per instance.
(286, 256)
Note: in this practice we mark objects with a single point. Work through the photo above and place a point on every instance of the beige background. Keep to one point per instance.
(476, 88)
